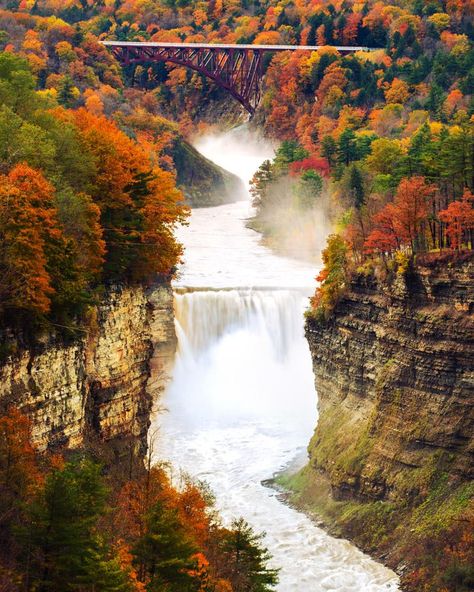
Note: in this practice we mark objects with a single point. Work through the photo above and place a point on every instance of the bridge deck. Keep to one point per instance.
(341, 48)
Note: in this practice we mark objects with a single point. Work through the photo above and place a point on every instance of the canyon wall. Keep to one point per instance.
(95, 389)
(391, 460)
(203, 182)
(394, 371)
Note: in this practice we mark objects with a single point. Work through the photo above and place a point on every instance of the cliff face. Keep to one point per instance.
(95, 390)
(391, 460)
(203, 182)
(394, 371)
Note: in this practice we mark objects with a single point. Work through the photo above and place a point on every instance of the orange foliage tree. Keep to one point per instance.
(403, 222)
(139, 202)
(459, 218)
(28, 228)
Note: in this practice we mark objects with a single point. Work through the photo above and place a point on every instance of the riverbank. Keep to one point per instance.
(309, 492)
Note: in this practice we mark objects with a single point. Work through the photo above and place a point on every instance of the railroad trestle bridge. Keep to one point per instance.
(236, 68)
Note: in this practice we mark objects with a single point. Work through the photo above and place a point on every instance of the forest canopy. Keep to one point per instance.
(82, 202)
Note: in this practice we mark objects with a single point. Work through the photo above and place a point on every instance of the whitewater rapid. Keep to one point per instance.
(241, 403)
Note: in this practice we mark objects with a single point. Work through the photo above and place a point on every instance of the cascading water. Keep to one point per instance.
(243, 356)
(241, 402)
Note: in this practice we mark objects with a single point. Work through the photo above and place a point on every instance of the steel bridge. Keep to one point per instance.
(236, 68)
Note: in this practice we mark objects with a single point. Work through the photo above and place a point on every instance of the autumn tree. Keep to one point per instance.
(403, 222)
(139, 202)
(29, 232)
(20, 475)
(384, 238)
(459, 219)
(411, 209)
(333, 276)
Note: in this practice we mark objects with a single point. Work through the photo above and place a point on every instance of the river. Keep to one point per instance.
(241, 403)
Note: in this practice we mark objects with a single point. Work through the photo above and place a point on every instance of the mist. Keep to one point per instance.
(288, 229)
(240, 150)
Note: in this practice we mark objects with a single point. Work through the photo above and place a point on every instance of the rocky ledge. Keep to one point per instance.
(393, 449)
(96, 390)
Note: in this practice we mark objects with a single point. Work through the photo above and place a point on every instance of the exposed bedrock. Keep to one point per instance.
(394, 371)
(96, 390)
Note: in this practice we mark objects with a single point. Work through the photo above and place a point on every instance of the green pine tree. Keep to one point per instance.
(164, 554)
(347, 147)
(260, 184)
(66, 92)
(289, 151)
(329, 149)
(356, 183)
(66, 551)
(247, 560)
(308, 189)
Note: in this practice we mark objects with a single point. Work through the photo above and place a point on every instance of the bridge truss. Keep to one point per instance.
(236, 68)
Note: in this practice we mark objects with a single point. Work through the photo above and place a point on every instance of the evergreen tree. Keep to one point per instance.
(329, 149)
(247, 560)
(66, 551)
(347, 147)
(66, 92)
(435, 100)
(308, 189)
(418, 144)
(260, 183)
(165, 553)
(288, 152)
(356, 182)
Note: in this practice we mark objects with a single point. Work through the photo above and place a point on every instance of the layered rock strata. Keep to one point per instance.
(95, 390)
(394, 371)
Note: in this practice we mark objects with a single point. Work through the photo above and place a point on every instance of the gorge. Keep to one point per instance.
(241, 403)
(215, 385)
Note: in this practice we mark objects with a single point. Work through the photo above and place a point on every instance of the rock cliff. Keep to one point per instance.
(394, 372)
(203, 182)
(95, 390)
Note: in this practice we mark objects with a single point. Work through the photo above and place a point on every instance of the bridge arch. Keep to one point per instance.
(236, 68)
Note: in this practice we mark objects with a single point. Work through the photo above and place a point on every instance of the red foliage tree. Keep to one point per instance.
(384, 238)
(321, 165)
(459, 218)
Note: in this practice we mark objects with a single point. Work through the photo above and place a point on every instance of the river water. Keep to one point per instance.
(241, 402)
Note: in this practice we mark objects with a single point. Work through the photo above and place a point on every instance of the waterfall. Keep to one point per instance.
(242, 405)
(242, 352)
(204, 317)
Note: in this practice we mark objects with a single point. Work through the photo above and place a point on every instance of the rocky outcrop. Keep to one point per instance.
(391, 460)
(95, 390)
(394, 371)
(203, 182)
